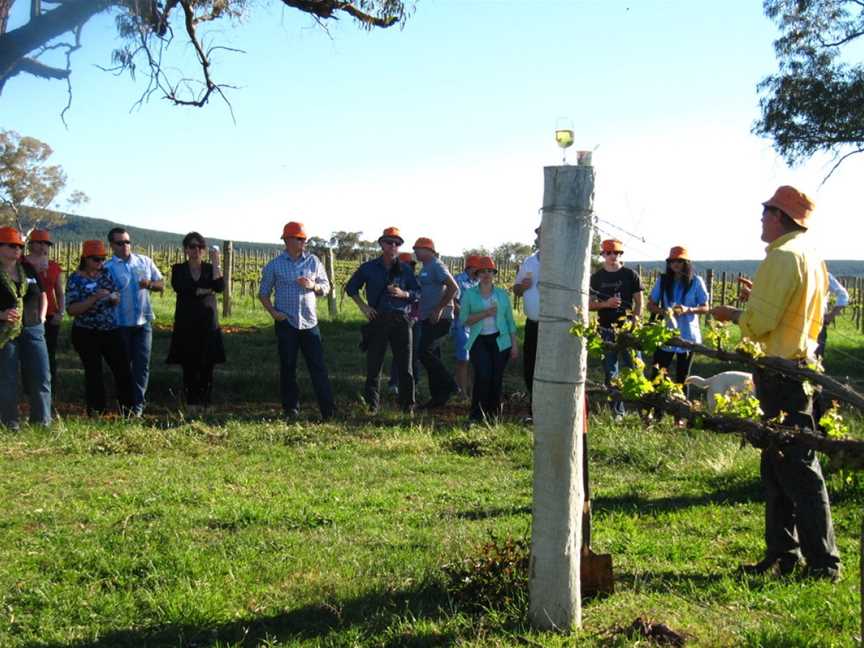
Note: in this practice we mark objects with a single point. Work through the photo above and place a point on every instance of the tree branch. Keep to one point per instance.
(326, 9)
(18, 43)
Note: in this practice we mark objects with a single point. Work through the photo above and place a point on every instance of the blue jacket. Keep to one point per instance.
(472, 303)
(375, 278)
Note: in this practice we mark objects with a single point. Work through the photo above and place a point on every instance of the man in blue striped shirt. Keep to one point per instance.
(297, 278)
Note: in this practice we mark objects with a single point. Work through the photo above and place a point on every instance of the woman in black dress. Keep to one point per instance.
(196, 342)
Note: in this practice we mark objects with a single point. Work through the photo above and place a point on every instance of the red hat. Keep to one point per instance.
(41, 235)
(793, 202)
(406, 257)
(425, 243)
(486, 263)
(94, 248)
(294, 230)
(11, 236)
(612, 245)
(678, 252)
(392, 232)
(472, 261)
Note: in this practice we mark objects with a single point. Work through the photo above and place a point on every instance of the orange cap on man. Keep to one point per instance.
(11, 236)
(424, 243)
(406, 257)
(472, 261)
(392, 233)
(294, 230)
(41, 235)
(795, 203)
(612, 245)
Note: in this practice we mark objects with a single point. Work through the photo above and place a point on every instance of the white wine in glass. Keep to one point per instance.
(564, 136)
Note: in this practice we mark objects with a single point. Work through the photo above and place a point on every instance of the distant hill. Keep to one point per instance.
(82, 228)
(838, 267)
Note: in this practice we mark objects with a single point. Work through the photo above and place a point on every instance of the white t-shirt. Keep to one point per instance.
(531, 297)
(488, 325)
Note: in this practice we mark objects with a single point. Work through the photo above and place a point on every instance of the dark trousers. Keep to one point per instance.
(93, 346)
(441, 383)
(415, 358)
(52, 334)
(797, 510)
(393, 328)
(489, 363)
(683, 362)
(529, 354)
(198, 382)
(308, 342)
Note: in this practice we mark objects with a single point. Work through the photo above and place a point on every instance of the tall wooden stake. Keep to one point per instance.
(558, 399)
(228, 276)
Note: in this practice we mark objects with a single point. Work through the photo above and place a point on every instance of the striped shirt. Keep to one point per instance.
(134, 308)
(297, 303)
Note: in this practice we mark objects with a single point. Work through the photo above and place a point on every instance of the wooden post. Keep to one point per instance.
(559, 399)
(227, 273)
(329, 264)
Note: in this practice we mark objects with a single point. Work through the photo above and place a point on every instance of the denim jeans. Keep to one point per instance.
(415, 359)
(308, 341)
(611, 362)
(138, 341)
(28, 350)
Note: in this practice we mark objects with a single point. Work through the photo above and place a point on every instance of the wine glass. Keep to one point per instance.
(564, 135)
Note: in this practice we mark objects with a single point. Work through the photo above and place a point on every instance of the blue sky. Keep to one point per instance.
(443, 128)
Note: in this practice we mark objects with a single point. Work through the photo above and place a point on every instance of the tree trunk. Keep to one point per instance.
(558, 401)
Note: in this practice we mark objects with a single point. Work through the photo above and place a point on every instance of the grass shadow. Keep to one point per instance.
(371, 613)
(740, 492)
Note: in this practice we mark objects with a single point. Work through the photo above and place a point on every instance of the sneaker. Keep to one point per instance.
(771, 566)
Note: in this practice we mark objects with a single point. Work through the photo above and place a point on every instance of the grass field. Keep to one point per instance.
(240, 530)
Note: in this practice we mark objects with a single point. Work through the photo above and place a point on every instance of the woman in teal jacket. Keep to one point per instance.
(492, 339)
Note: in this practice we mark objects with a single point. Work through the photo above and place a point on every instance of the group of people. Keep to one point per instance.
(108, 297)
(412, 313)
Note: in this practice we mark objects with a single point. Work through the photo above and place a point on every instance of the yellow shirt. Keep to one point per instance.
(785, 308)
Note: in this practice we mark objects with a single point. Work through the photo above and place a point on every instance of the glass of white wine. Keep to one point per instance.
(564, 135)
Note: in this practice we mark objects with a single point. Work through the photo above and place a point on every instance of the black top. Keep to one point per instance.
(32, 292)
(625, 283)
(196, 335)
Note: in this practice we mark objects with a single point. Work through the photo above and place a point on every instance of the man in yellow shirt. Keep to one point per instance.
(784, 312)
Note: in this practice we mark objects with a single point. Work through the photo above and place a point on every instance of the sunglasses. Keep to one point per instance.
(677, 260)
(487, 271)
(123, 242)
(97, 259)
(12, 245)
(391, 242)
(613, 253)
(196, 246)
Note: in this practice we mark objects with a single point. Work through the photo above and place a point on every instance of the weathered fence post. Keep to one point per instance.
(228, 275)
(559, 399)
(329, 267)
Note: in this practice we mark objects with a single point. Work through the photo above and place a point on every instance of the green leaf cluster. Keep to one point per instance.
(738, 404)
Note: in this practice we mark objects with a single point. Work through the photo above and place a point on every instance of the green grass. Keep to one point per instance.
(240, 530)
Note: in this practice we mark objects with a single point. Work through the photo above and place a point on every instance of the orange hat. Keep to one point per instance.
(11, 236)
(392, 232)
(472, 261)
(94, 248)
(425, 243)
(41, 235)
(793, 202)
(486, 263)
(294, 230)
(612, 245)
(678, 252)
(406, 257)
